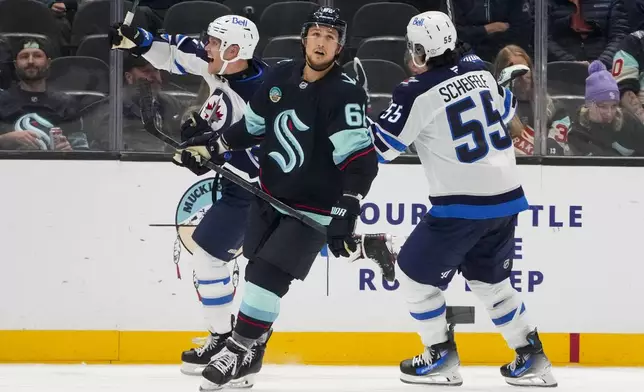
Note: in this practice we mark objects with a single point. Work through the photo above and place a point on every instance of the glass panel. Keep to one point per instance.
(586, 114)
(178, 93)
(48, 89)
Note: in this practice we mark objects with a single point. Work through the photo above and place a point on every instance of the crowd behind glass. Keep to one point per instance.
(57, 70)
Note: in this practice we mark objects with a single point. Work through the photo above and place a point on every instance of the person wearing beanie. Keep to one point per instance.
(601, 127)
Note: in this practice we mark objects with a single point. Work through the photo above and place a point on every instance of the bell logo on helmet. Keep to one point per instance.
(418, 22)
(241, 22)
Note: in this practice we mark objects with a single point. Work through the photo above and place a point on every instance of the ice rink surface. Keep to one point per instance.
(278, 378)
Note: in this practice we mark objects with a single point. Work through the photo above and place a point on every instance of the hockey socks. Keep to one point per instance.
(258, 310)
(505, 309)
(215, 290)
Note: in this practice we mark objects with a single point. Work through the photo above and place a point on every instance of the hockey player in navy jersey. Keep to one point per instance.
(227, 64)
(457, 116)
(316, 155)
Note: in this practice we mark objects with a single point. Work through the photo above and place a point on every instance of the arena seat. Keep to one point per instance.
(382, 75)
(198, 13)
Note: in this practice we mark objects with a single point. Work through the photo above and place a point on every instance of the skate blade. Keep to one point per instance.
(452, 379)
(242, 383)
(207, 386)
(543, 380)
(190, 369)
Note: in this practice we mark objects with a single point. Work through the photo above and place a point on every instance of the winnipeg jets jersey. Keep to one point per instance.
(182, 55)
(457, 119)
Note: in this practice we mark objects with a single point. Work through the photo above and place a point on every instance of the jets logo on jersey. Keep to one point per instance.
(218, 110)
(285, 123)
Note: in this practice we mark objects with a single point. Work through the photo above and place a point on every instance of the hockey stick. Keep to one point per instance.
(129, 17)
(369, 245)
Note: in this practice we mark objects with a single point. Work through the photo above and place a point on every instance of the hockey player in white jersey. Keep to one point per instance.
(457, 116)
(227, 64)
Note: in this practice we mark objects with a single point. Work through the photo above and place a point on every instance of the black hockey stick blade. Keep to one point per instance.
(460, 315)
(376, 248)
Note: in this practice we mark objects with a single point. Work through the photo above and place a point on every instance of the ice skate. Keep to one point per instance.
(437, 365)
(531, 367)
(252, 364)
(225, 366)
(195, 360)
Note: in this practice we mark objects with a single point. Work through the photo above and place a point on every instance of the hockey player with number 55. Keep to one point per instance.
(457, 116)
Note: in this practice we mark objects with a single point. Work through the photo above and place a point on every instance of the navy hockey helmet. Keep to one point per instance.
(326, 16)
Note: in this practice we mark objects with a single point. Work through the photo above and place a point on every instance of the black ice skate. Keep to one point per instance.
(252, 364)
(531, 367)
(195, 360)
(437, 365)
(224, 366)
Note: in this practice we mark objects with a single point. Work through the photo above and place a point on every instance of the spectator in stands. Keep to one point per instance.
(422, 5)
(635, 12)
(628, 70)
(601, 127)
(64, 12)
(155, 10)
(523, 89)
(586, 30)
(5, 64)
(135, 138)
(490, 25)
(30, 106)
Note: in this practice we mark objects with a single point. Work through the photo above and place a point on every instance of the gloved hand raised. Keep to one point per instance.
(130, 38)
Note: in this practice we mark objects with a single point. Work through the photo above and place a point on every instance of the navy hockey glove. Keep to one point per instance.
(199, 149)
(194, 126)
(340, 231)
(136, 40)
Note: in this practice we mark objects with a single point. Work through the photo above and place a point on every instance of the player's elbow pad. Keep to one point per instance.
(360, 173)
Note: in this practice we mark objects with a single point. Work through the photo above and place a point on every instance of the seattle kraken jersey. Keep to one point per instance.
(628, 64)
(310, 133)
(457, 119)
(228, 95)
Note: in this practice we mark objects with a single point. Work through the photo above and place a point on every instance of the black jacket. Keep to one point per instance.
(635, 12)
(471, 16)
(603, 140)
(609, 24)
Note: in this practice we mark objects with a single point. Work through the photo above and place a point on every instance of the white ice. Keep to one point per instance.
(277, 378)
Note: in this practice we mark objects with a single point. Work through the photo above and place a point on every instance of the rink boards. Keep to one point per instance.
(88, 270)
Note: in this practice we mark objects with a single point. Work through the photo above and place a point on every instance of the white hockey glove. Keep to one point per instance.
(510, 73)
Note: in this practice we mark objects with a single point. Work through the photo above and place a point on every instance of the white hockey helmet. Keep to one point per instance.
(431, 33)
(235, 30)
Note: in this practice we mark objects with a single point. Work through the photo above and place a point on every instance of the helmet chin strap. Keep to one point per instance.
(225, 63)
(413, 59)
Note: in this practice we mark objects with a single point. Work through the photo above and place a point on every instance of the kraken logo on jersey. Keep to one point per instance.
(284, 125)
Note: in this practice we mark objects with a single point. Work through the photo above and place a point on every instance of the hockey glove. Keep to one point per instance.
(125, 37)
(198, 150)
(340, 231)
(194, 126)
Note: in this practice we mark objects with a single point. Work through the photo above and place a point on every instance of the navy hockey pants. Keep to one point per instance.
(439, 247)
(221, 231)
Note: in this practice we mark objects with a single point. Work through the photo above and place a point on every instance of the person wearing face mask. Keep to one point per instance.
(601, 127)
(226, 62)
